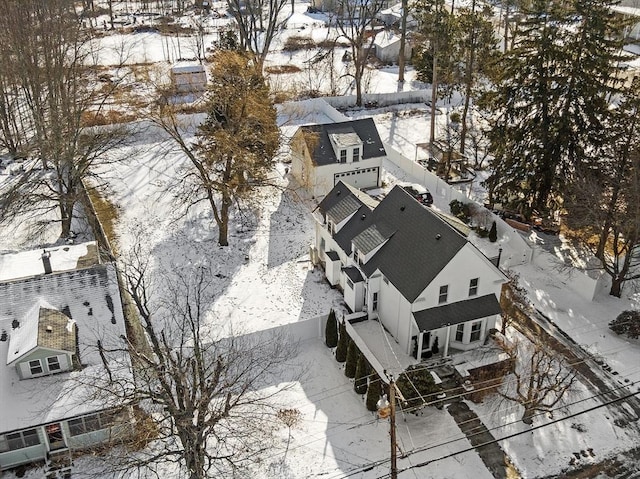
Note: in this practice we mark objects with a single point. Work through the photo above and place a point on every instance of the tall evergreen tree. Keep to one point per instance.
(551, 100)
(373, 393)
(343, 344)
(362, 370)
(352, 360)
(331, 330)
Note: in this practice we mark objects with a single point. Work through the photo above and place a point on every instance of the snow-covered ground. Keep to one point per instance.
(265, 280)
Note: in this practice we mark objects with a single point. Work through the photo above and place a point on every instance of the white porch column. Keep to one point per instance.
(419, 352)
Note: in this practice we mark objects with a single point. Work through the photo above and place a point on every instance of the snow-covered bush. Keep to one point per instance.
(627, 323)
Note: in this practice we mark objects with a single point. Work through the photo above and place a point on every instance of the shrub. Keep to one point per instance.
(362, 370)
(627, 323)
(343, 344)
(331, 330)
(352, 360)
(417, 386)
(493, 232)
(374, 393)
(296, 42)
(460, 210)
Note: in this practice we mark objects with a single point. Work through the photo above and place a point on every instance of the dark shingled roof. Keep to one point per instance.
(456, 313)
(319, 144)
(353, 274)
(341, 210)
(370, 239)
(332, 255)
(421, 245)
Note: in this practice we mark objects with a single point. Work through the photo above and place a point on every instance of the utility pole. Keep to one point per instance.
(392, 420)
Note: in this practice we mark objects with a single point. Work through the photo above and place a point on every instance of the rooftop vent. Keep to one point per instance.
(49, 329)
(402, 208)
(46, 262)
(3, 335)
(15, 324)
(363, 216)
(438, 236)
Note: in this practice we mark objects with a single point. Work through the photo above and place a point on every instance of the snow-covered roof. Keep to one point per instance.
(91, 298)
(29, 263)
(385, 39)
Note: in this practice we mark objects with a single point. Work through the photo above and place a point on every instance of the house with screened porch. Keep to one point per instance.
(408, 267)
(59, 309)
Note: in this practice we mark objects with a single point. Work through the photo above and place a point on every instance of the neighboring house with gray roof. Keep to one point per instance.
(55, 308)
(350, 151)
(402, 264)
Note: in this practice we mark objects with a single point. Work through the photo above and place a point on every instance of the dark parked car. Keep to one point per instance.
(419, 193)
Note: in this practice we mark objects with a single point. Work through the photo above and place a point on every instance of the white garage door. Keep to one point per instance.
(363, 178)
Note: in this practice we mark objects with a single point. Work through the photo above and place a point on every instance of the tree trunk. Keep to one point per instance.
(223, 224)
(434, 97)
(616, 286)
(403, 41)
(528, 415)
(468, 81)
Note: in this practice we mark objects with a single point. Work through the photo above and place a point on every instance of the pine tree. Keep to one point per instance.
(352, 360)
(331, 330)
(362, 370)
(551, 100)
(343, 344)
(373, 393)
(493, 232)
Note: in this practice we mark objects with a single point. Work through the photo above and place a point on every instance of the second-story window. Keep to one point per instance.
(356, 154)
(343, 156)
(444, 293)
(473, 287)
(374, 302)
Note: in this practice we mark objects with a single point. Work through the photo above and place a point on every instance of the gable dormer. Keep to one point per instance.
(43, 343)
(368, 242)
(347, 146)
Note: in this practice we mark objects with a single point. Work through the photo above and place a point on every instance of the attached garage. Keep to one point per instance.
(362, 178)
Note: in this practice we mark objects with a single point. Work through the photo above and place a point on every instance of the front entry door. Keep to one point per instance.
(55, 437)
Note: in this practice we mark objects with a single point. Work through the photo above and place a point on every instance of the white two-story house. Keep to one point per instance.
(323, 155)
(401, 263)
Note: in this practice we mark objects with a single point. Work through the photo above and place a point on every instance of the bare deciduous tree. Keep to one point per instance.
(47, 97)
(541, 379)
(258, 21)
(355, 22)
(206, 391)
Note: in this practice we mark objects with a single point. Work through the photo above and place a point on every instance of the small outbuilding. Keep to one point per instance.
(189, 78)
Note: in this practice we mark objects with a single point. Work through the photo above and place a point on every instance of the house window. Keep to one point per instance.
(349, 283)
(19, 440)
(356, 154)
(35, 367)
(460, 332)
(343, 156)
(444, 292)
(322, 245)
(53, 363)
(374, 302)
(91, 422)
(475, 331)
(331, 227)
(473, 287)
